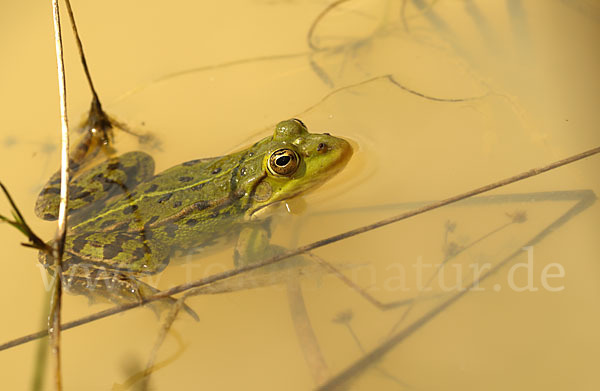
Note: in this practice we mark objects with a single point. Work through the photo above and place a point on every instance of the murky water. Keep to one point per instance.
(437, 98)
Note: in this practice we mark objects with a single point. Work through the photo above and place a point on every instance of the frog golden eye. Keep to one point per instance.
(283, 162)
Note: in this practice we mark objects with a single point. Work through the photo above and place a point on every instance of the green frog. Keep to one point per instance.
(126, 222)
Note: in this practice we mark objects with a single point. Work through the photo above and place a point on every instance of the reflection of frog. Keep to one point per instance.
(126, 222)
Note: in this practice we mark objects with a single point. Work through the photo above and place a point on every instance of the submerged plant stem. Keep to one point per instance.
(305, 334)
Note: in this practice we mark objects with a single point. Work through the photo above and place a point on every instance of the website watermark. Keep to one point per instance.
(518, 276)
(521, 275)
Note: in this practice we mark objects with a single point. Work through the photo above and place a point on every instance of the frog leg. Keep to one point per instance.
(253, 245)
(115, 176)
(97, 282)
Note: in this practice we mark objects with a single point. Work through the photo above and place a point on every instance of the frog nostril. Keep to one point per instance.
(327, 134)
(322, 147)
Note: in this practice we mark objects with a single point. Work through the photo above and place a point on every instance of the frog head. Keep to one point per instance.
(295, 161)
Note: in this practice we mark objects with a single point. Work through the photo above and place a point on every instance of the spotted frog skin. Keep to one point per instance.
(126, 222)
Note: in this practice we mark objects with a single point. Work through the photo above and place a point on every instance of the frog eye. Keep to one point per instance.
(283, 162)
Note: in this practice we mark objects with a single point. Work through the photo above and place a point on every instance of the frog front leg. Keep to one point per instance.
(117, 175)
(253, 245)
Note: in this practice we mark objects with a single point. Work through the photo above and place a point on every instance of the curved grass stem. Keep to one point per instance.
(54, 322)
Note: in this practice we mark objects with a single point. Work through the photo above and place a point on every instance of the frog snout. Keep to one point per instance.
(343, 149)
